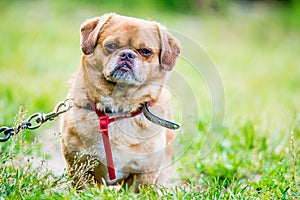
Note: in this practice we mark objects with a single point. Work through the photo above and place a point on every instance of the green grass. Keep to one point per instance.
(256, 51)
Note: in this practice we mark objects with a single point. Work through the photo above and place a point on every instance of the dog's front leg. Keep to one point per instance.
(145, 178)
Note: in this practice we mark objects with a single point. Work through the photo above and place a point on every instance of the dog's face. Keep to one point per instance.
(128, 50)
(129, 56)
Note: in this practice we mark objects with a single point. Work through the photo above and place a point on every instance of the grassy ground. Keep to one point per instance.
(256, 51)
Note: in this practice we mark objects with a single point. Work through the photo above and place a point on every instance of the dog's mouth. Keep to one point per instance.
(124, 66)
(124, 73)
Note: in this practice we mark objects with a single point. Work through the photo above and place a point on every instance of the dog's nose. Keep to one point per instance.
(127, 56)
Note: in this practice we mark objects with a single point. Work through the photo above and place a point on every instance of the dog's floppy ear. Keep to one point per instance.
(90, 31)
(170, 49)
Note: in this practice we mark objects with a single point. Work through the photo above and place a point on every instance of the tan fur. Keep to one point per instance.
(140, 148)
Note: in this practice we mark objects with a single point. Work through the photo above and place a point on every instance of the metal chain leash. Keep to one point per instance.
(39, 119)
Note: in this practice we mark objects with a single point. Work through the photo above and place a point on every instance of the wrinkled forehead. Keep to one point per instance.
(131, 32)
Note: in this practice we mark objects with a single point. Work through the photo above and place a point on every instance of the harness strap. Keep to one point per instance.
(104, 121)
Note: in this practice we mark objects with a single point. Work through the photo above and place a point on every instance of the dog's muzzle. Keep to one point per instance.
(125, 69)
(126, 61)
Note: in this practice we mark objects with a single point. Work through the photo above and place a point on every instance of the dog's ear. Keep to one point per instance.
(170, 49)
(90, 32)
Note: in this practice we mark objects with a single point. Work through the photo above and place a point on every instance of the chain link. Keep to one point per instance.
(35, 120)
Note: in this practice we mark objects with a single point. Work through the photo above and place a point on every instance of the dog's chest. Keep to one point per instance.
(118, 106)
(135, 149)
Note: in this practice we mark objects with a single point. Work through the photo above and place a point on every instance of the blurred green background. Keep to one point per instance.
(255, 45)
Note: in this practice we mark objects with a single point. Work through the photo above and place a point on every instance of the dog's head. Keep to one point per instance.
(127, 50)
(125, 60)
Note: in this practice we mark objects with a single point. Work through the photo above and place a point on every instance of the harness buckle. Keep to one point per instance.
(103, 123)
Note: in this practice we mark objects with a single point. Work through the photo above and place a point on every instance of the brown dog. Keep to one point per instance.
(125, 63)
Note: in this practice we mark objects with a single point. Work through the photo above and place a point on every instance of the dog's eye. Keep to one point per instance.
(112, 46)
(145, 52)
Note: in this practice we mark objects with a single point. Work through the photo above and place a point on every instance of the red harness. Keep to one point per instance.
(104, 121)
